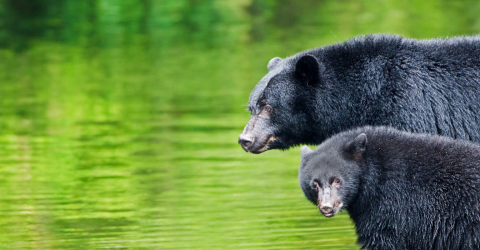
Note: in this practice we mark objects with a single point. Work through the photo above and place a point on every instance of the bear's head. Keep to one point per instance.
(282, 105)
(329, 175)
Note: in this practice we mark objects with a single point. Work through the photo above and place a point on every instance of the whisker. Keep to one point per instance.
(248, 109)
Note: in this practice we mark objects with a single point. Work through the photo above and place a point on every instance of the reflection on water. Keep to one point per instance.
(119, 121)
(120, 150)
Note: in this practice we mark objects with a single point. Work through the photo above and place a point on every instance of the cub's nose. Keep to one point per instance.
(326, 209)
(246, 141)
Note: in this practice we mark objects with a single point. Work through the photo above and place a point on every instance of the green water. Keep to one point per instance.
(119, 120)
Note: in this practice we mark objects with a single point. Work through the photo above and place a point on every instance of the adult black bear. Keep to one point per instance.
(430, 86)
(402, 190)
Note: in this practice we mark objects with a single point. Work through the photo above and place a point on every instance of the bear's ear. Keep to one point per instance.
(307, 70)
(306, 155)
(272, 63)
(305, 151)
(357, 147)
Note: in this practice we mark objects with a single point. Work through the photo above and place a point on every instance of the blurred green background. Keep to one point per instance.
(119, 119)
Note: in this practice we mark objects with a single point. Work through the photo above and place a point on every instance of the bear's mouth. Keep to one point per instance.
(260, 146)
(329, 213)
(266, 145)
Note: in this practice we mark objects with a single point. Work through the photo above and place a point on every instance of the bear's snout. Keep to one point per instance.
(327, 201)
(246, 141)
(326, 209)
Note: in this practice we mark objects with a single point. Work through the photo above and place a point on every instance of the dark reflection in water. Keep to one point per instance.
(119, 119)
(214, 24)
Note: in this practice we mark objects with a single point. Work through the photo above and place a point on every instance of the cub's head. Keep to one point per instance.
(282, 105)
(330, 174)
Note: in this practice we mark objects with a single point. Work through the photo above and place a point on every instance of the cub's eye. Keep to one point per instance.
(268, 108)
(315, 186)
(337, 181)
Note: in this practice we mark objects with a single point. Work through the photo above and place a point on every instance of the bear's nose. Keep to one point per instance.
(326, 208)
(246, 141)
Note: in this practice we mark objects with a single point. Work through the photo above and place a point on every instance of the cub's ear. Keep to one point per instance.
(357, 147)
(305, 151)
(272, 63)
(307, 70)
(306, 155)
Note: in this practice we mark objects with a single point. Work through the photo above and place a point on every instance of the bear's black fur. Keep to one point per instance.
(429, 86)
(402, 190)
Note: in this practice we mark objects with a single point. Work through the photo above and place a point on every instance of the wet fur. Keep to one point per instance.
(428, 86)
(412, 191)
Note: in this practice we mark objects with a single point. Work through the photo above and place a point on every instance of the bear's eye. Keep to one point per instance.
(268, 108)
(315, 186)
(336, 181)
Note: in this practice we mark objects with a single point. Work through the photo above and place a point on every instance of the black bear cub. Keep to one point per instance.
(402, 190)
